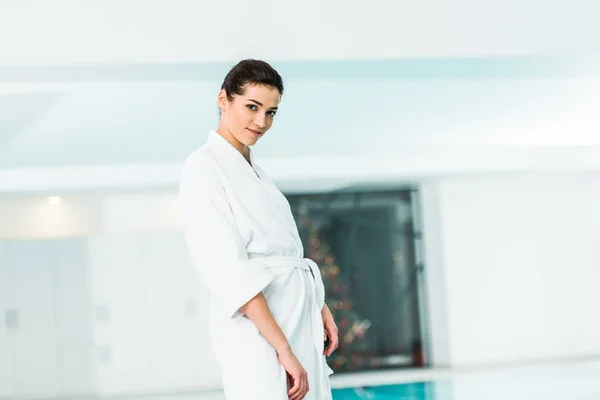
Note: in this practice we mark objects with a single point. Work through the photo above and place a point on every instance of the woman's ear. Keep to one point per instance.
(222, 100)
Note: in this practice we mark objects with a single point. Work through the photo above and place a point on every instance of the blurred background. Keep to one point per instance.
(442, 161)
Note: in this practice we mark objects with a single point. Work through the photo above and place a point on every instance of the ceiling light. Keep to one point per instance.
(54, 200)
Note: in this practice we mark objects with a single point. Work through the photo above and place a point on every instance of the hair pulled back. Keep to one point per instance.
(250, 71)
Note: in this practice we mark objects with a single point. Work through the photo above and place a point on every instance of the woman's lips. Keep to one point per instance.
(256, 134)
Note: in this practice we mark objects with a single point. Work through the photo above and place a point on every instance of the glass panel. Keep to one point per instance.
(364, 244)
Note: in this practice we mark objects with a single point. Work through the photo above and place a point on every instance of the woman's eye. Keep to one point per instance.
(252, 107)
(272, 113)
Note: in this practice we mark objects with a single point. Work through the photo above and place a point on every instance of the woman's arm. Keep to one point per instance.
(259, 313)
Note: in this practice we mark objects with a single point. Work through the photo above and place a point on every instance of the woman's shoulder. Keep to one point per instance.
(201, 164)
(200, 156)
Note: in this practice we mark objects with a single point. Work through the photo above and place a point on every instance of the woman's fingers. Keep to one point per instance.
(303, 388)
(333, 344)
(295, 389)
(332, 334)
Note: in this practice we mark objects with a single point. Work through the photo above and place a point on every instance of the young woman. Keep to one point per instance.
(268, 319)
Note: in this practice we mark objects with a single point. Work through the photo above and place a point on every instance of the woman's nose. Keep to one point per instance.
(260, 121)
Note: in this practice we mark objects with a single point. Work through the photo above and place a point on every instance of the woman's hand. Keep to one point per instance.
(331, 331)
(296, 374)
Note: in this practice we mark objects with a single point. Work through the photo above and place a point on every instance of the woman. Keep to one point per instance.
(268, 319)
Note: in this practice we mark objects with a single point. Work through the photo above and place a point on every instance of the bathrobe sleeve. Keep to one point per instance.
(216, 248)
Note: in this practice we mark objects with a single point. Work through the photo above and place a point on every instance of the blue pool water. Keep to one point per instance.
(560, 382)
(410, 391)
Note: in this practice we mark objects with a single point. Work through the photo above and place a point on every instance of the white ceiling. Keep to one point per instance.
(66, 32)
(18, 111)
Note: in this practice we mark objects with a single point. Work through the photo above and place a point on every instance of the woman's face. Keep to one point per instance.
(249, 116)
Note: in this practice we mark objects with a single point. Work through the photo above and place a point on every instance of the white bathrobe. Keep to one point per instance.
(242, 239)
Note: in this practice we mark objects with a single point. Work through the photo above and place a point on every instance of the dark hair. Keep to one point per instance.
(250, 71)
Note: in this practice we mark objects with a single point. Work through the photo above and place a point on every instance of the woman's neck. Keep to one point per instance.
(239, 146)
(224, 132)
(246, 154)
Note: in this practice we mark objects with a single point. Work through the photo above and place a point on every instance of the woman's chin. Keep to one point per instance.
(251, 140)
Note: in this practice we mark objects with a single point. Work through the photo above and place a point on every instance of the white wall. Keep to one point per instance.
(435, 321)
(520, 257)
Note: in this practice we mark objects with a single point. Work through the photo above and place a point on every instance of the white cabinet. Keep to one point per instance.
(120, 311)
(73, 314)
(151, 329)
(7, 320)
(181, 356)
(32, 282)
(45, 306)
